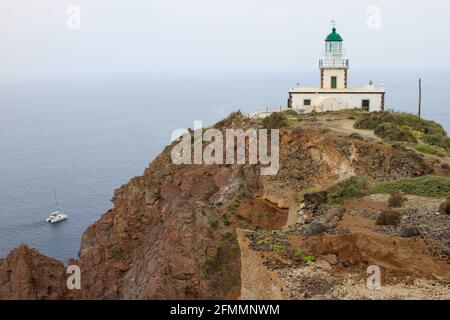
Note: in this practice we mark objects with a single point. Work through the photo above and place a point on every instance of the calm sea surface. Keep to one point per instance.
(85, 137)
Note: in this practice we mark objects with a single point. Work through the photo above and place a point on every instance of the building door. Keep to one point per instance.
(366, 105)
(333, 82)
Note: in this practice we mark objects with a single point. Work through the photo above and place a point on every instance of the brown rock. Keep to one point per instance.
(330, 258)
(28, 275)
(157, 242)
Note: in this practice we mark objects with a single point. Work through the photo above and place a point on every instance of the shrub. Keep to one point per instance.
(404, 120)
(444, 207)
(232, 205)
(298, 254)
(220, 256)
(409, 231)
(355, 136)
(325, 130)
(314, 228)
(396, 199)
(275, 121)
(353, 187)
(226, 222)
(404, 126)
(278, 247)
(390, 132)
(371, 120)
(388, 218)
(429, 149)
(229, 120)
(431, 186)
(115, 251)
(436, 140)
(291, 113)
(214, 223)
(309, 259)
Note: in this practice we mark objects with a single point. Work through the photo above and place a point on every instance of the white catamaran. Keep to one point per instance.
(58, 215)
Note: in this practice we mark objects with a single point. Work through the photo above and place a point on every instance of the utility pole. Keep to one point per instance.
(420, 98)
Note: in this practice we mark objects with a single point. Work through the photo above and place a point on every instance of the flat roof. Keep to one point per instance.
(346, 90)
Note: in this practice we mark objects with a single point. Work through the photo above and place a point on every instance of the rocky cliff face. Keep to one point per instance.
(27, 274)
(172, 231)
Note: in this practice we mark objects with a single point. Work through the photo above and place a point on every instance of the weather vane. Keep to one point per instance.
(333, 23)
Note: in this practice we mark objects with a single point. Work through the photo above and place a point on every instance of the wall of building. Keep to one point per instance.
(339, 73)
(336, 101)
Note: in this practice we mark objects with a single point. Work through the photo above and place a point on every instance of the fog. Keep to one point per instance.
(200, 36)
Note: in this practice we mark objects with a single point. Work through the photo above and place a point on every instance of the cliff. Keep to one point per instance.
(172, 232)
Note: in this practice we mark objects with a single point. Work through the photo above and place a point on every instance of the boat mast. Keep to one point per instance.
(56, 199)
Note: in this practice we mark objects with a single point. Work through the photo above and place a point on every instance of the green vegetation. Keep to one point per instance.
(325, 130)
(227, 122)
(221, 255)
(391, 126)
(213, 222)
(232, 205)
(264, 241)
(429, 186)
(291, 116)
(403, 120)
(225, 220)
(438, 141)
(390, 132)
(278, 247)
(290, 113)
(353, 187)
(276, 120)
(309, 259)
(430, 149)
(115, 251)
(298, 254)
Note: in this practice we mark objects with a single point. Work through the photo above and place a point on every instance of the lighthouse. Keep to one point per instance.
(334, 92)
(333, 66)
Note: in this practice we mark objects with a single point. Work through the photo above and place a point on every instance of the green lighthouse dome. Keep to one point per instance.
(334, 36)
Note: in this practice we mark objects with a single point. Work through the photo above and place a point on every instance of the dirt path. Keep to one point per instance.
(346, 126)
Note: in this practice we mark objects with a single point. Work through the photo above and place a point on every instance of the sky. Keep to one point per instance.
(40, 38)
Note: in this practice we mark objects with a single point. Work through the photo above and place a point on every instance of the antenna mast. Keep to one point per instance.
(420, 98)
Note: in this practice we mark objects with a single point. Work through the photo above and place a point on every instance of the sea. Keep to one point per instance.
(84, 136)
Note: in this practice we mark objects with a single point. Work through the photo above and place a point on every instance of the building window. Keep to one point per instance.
(366, 105)
(307, 102)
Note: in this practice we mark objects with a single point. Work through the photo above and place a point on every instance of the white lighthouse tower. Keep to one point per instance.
(334, 92)
(333, 68)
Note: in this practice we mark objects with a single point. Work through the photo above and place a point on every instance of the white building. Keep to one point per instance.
(334, 94)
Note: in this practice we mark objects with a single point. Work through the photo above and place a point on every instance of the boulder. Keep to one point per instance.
(330, 258)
